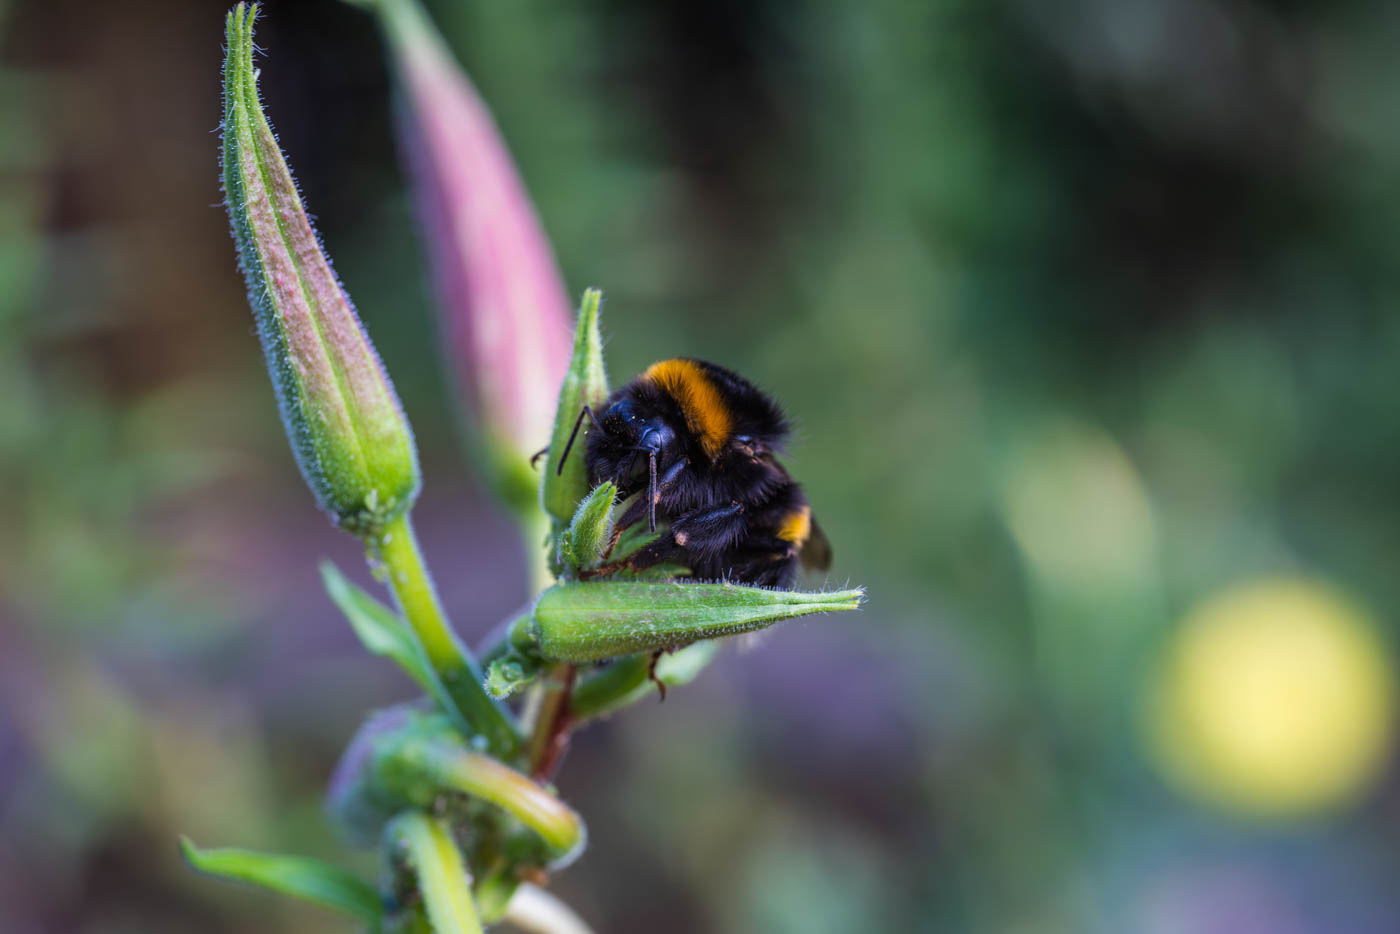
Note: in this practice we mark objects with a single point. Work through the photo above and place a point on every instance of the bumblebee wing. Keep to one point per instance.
(816, 551)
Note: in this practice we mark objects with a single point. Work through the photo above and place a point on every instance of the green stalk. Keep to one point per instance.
(550, 737)
(397, 549)
(442, 876)
(483, 777)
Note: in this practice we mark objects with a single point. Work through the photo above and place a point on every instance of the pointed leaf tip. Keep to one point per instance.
(585, 383)
(382, 632)
(298, 876)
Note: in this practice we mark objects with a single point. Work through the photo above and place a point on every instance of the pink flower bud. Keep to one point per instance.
(506, 314)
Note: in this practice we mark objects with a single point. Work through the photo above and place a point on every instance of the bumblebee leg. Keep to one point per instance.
(698, 534)
(640, 507)
(535, 457)
(709, 531)
(574, 434)
(612, 542)
(653, 496)
(674, 471)
(651, 674)
(658, 552)
(634, 513)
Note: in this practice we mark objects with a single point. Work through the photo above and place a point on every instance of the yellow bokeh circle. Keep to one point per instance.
(1275, 698)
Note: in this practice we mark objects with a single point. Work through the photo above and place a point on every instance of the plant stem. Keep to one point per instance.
(550, 737)
(442, 876)
(549, 733)
(483, 777)
(397, 549)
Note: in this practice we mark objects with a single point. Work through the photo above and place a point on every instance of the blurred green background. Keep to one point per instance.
(1086, 315)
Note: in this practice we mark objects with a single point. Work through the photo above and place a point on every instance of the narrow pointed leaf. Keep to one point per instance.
(605, 619)
(297, 876)
(585, 383)
(401, 559)
(629, 680)
(383, 633)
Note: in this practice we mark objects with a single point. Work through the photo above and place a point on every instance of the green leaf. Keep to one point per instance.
(587, 537)
(628, 680)
(634, 538)
(586, 383)
(384, 634)
(494, 892)
(589, 622)
(664, 571)
(436, 862)
(297, 876)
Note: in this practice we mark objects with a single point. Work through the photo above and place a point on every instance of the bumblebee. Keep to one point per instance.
(699, 441)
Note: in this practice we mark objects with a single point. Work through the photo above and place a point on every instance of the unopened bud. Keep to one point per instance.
(501, 298)
(605, 619)
(582, 544)
(346, 427)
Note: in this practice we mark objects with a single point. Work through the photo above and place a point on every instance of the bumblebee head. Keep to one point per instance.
(625, 432)
(630, 444)
(625, 446)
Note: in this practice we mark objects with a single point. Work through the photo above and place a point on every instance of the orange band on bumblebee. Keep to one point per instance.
(704, 408)
(797, 526)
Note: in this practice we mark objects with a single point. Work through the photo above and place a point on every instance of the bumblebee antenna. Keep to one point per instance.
(578, 423)
(652, 496)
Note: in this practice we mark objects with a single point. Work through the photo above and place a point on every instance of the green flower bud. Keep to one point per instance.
(509, 674)
(599, 620)
(582, 544)
(585, 383)
(346, 427)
